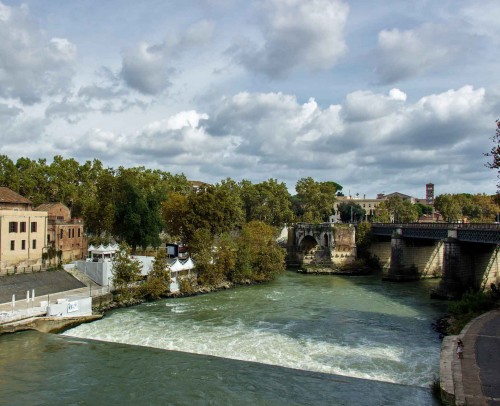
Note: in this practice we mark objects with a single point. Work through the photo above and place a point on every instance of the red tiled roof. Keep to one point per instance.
(9, 196)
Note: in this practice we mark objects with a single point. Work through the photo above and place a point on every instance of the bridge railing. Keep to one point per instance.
(448, 226)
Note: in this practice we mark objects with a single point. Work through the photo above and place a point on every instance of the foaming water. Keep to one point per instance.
(359, 327)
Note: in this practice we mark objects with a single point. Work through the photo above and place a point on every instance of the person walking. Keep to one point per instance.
(460, 348)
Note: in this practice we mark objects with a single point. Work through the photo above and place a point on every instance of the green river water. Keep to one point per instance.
(299, 340)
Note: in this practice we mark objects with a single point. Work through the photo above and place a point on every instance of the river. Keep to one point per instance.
(299, 340)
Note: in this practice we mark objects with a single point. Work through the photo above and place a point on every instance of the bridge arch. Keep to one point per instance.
(307, 243)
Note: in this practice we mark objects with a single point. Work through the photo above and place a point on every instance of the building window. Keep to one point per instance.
(33, 226)
(79, 232)
(69, 232)
(12, 245)
(12, 226)
(48, 238)
(33, 245)
(23, 226)
(23, 244)
(61, 234)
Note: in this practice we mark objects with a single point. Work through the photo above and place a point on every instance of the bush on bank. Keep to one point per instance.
(471, 305)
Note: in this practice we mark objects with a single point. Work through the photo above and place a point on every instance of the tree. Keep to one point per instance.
(267, 201)
(424, 209)
(9, 174)
(158, 281)
(259, 256)
(396, 210)
(449, 207)
(137, 211)
(217, 209)
(225, 256)
(175, 211)
(201, 249)
(495, 154)
(125, 269)
(351, 212)
(316, 199)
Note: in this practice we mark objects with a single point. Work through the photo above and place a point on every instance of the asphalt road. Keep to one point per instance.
(488, 358)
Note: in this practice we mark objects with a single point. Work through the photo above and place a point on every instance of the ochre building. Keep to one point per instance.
(22, 233)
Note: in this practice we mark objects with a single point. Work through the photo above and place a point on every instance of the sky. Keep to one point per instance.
(377, 95)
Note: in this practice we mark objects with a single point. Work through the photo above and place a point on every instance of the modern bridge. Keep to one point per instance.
(464, 255)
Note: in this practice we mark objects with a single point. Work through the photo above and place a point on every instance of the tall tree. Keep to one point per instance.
(9, 174)
(316, 198)
(449, 207)
(495, 154)
(267, 201)
(259, 256)
(351, 212)
(396, 210)
(125, 269)
(137, 212)
(158, 280)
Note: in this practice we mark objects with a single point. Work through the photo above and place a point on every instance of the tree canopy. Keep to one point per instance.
(351, 212)
(315, 199)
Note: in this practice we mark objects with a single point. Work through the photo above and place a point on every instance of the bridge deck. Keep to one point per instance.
(485, 233)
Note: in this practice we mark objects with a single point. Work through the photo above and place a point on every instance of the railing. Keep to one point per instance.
(448, 226)
(488, 233)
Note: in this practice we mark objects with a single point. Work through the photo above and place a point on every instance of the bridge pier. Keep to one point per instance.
(466, 255)
(451, 284)
(399, 269)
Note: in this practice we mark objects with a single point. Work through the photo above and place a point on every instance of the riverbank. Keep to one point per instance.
(474, 379)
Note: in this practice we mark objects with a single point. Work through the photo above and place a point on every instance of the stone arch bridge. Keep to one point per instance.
(323, 245)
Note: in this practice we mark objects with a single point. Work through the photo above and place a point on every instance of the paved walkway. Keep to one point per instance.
(64, 287)
(474, 380)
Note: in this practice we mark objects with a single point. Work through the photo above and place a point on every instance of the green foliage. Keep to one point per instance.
(351, 212)
(126, 270)
(396, 210)
(495, 153)
(363, 234)
(424, 209)
(201, 248)
(474, 208)
(259, 256)
(471, 305)
(137, 210)
(217, 209)
(316, 199)
(267, 201)
(187, 284)
(158, 281)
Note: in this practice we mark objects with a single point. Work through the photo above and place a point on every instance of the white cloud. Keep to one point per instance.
(365, 105)
(31, 65)
(403, 54)
(148, 68)
(305, 34)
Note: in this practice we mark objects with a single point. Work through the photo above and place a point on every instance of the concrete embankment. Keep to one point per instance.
(47, 324)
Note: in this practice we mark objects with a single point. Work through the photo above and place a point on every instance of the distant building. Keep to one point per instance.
(198, 186)
(22, 233)
(402, 196)
(429, 194)
(64, 233)
(369, 205)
